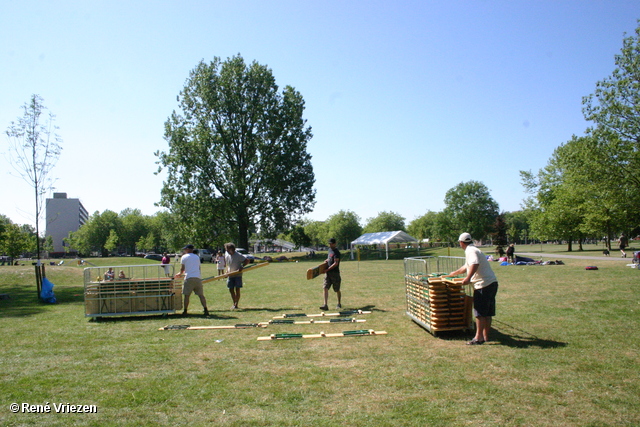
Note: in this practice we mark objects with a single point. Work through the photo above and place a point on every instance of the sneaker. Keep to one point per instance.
(206, 312)
(338, 307)
(184, 313)
(475, 342)
(324, 307)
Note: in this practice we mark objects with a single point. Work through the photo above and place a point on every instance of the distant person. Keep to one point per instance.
(485, 287)
(166, 264)
(221, 263)
(121, 275)
(499, 251)
(511, 251)
(624, 242)
(109, 274)
(190, 269)
(234, 262)
(332, 277)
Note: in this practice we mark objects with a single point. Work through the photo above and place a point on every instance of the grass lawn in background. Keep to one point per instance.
(565, 352)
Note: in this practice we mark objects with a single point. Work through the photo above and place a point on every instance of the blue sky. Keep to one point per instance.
(406, 99)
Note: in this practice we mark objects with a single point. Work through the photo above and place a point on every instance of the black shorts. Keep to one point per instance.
(484, 301)
(332, 279)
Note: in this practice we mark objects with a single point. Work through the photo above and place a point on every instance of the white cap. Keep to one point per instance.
(465, 237)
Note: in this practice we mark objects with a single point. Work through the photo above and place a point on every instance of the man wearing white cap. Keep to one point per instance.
(485, 287)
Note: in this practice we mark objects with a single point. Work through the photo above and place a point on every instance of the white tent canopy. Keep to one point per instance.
(383, 238)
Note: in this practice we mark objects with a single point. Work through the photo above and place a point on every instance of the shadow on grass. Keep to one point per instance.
(511, 336)
(23, 300)
(269, 310)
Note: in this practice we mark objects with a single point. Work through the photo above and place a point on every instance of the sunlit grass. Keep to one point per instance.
(565, 353)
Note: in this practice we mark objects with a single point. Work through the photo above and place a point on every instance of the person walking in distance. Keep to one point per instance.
(190, 269)
(332, 277)
(485, 287)
(624, 242)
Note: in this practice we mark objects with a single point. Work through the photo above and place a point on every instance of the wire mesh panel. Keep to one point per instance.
(434, 303)
(131, 290)
(447, 264)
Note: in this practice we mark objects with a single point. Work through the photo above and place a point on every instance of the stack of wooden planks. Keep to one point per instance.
(438, 303)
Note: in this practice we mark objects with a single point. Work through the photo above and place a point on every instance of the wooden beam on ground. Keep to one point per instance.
(341, 313)
(261, 324)
(197, 328)
(357, 333)
(313, 321)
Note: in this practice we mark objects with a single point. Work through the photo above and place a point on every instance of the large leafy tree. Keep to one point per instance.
(133, 227)
(237, 152)
(471, 208)
(94, 234)
(385, 221)
(344, 227)
(317, 232)
(613, 152)
(14, 240)
(423, 227)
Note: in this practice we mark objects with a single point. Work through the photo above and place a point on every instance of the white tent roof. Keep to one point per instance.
(384, 238)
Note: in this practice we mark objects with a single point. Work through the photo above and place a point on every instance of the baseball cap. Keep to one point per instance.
(332, 240)
(188, 247)
(465, 237)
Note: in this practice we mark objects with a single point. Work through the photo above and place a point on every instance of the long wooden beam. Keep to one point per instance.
(357, 333)
(261, 324)
(233, 273)
(194, 328)
(341, 313)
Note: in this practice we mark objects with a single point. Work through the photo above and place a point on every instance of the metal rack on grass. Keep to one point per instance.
(131, 290)
(437, 304)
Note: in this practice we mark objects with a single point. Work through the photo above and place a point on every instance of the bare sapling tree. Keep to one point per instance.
(34, 149)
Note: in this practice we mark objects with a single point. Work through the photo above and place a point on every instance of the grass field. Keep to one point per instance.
(565, 352)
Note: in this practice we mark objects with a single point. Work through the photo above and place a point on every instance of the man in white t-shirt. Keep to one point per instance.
(485, 287)
(190, 269)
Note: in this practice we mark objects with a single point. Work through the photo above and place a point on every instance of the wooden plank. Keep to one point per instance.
(341, 313)
(360, 333)
(234, 273)
(314, 272)
(196, 328)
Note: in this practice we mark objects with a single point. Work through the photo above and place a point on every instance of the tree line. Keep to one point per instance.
(591, 184)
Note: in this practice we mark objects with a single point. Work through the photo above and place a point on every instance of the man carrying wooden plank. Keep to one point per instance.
(332, 275)
(190, 269)
(234, 262)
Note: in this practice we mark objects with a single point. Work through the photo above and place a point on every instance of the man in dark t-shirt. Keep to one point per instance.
(332, 275)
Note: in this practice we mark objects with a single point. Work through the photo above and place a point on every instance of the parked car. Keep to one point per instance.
(204, 254)
(156, 257)
(246, 254)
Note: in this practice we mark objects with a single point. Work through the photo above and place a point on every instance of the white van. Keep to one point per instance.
(204, 254)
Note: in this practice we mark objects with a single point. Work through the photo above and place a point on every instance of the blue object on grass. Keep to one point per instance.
(47, 291)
